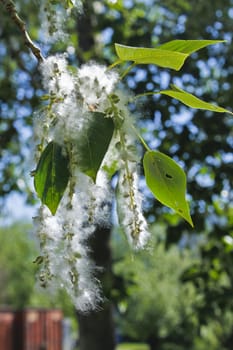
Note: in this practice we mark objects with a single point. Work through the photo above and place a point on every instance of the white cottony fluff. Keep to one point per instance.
(96, 83)
(85, 206)
(52, 23)
(129, 204)
(56, 77)
(64, 238)
(77, 95)
(53, 20)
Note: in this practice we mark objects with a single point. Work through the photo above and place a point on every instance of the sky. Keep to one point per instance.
(15, 209)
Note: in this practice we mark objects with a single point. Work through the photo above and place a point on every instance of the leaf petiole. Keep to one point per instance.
(127, 70)
(150, 93)
(114, 64)
(140, 138)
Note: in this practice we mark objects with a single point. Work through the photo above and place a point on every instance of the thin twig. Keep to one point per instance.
(10, 8)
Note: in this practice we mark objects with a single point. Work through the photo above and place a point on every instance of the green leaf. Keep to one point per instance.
(94, 143)
(52, 176)
(162, 58)
(167, 181)
(188, 46)
(69, 4)
(169, 55)
(191, 100)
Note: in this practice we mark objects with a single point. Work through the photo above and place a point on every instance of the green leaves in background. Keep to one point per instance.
(69, 4)
(169, 55)
(167, 181)
(52, 176)
(191, 100)
(94, 143)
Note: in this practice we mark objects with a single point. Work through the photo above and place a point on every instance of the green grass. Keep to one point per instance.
(132, 346)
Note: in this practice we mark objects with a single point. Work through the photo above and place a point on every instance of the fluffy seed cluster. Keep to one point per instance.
(129, 198)
(64, 259)
(72, 98)
(129, 204)
(65, 255)
(53, 15)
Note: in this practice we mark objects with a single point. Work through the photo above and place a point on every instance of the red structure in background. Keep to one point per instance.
(6, 330)
(31, 329)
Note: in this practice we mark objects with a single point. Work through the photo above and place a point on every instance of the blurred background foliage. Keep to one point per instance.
(172, 298)
(157, 307)
(18, 249)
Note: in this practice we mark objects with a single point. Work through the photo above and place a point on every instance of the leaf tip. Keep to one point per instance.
(51, 205)
(190, 221)
(53, 211)
(185, 214)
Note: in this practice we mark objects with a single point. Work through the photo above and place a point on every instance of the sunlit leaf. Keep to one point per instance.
(94, 143)
(69, 4)
(162, 58)
(52, 176)
(188, 46)
(167, 181)
(169, 55)
(191, 100)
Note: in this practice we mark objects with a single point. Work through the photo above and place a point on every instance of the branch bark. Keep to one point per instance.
(11, 10)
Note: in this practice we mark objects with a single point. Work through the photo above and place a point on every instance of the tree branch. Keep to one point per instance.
(10, 8)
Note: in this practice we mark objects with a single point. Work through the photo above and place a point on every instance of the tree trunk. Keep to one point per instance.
(85, 29)
(96, 330)
(154, 343)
